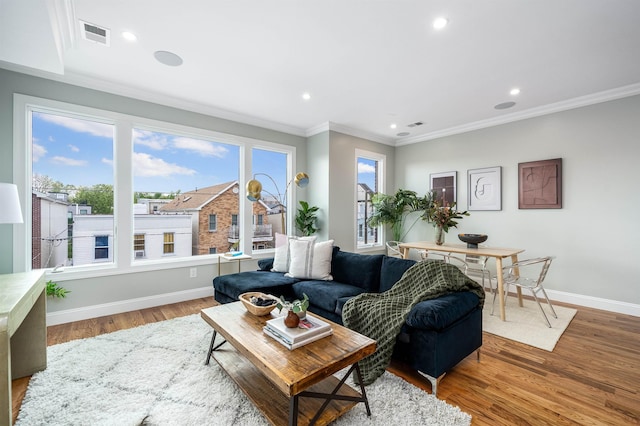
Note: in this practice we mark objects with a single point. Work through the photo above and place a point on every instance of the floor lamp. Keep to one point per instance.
(254, 191)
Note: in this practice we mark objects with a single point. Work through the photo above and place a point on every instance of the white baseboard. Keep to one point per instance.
(95, 311)
(70, 315)
(595, 302)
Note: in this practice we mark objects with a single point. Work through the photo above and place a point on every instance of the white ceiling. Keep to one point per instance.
(366, 63)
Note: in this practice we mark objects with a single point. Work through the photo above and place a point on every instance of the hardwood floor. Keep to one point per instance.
(591, 378)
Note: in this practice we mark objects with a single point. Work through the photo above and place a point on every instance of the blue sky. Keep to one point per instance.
(80, 153)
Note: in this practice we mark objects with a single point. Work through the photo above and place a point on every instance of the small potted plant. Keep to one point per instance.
(297, 309)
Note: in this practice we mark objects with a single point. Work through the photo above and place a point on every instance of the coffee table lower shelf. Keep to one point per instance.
(273, 403)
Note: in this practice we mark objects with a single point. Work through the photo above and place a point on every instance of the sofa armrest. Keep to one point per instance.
(439, 313)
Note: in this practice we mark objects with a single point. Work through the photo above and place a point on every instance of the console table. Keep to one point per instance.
(497, 253)
(23, 331)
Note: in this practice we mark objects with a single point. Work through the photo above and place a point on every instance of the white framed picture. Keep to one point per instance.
(484, 188)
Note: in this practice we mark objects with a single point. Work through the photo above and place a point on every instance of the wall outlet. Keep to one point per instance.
(193, 272)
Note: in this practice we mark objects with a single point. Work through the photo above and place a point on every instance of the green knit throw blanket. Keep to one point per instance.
(380, 316)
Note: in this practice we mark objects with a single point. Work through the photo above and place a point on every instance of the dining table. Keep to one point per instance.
(498, 253)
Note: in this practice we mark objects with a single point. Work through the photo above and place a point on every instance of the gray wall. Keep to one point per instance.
(116, 288)
(595, 236)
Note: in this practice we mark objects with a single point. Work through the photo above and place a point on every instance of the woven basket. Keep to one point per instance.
(245, 298)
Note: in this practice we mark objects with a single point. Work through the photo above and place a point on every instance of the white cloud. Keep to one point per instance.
(37, 152)
(145, 165)
(77, 125)
(68, 161)
(204, 148)
(366, 168)
(73, 148)
(107, 161)
(152, 140)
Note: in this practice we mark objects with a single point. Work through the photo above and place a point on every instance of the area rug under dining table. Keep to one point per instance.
(155, 375)
(525, 324)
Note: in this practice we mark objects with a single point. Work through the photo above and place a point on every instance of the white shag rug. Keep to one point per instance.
(155, 375)
(526, 324)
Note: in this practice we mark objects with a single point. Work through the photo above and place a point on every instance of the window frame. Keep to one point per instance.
(122, 261)
(381, 159)
(215, 222)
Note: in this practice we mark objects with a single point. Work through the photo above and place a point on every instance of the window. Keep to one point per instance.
(213, 250)
(168, 247)
(71, 165)
(138, 246)
(369, 180)
(101, 247)
(179, 175)
(213, 220)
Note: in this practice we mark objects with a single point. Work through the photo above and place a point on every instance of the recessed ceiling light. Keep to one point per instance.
(393, 126)
(129, 36)
(306, 96)
(168, 58)
(440, 23)
(504, 105)
(515, 91)
(401, 134)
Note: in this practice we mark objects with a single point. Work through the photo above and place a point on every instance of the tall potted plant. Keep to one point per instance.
(393, 210)
(306, 219)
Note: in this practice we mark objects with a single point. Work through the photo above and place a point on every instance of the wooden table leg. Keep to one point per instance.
(516, 271)
(405, 252)
(503, 316)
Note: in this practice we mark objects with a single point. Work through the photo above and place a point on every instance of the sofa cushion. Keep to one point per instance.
(282, 255)
(310, 260)
(325, 294)
(360, 270)
(233, 285)
(392, 270)
(265, 264)
(437, 314)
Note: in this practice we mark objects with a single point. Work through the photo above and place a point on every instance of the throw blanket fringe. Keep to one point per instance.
(380, 316)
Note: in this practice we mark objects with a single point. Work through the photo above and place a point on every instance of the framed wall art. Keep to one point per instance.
(484, 189)
(540, 184)
(443, 186)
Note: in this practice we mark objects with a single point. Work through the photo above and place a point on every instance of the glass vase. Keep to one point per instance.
(439, 235)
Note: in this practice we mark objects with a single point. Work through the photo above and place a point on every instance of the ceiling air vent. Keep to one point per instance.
(95, 33)
(417, 123)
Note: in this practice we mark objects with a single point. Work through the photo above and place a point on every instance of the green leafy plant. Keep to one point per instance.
(444, 215)
(393, 209)
(54, 290)
(306, 219)
(295, 306)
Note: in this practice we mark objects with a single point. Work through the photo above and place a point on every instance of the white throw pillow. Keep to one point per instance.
(310, 260)
(281, 257)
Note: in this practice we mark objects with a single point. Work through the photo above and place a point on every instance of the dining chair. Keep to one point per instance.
(393, 250)
(519, 273)
(477, 267)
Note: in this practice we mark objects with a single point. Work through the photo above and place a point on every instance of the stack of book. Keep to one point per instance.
(310, 329)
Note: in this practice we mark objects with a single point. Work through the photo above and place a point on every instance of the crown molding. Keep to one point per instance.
(582, 101)
(327, 126)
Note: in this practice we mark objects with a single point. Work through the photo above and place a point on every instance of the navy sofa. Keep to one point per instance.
(437, 335)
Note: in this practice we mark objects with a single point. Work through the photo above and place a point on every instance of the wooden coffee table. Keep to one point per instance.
(289, 387)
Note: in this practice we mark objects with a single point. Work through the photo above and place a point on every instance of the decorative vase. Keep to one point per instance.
(292, 319)
(439, 235)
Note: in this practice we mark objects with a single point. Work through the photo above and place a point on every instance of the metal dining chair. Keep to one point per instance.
(517, 272)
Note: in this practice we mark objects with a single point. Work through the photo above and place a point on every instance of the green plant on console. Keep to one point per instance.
(306, 219)
(296, 306)
(54, 290)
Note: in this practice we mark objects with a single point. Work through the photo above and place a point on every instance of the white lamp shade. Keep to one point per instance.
(10, 211)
